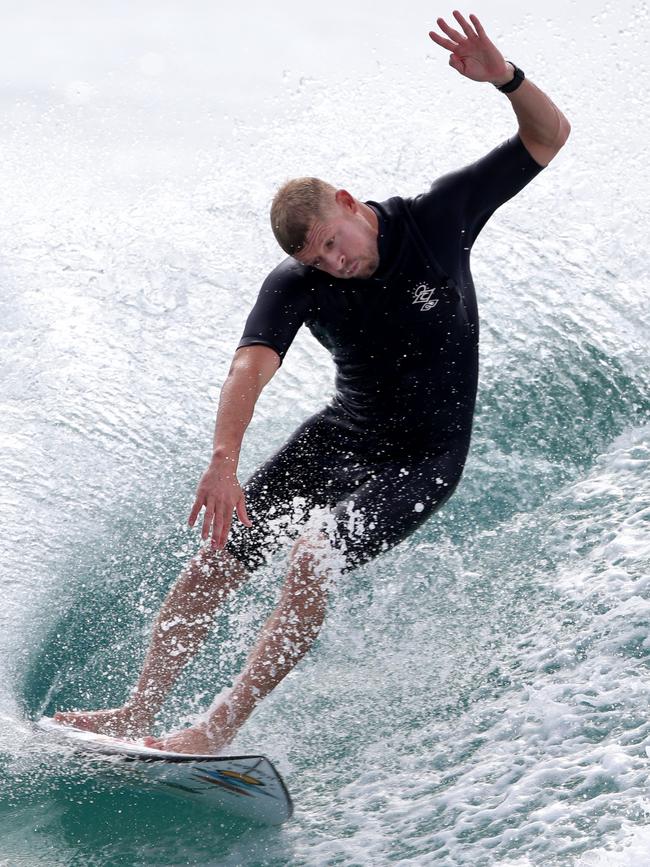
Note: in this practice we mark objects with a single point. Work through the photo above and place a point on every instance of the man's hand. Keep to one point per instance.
(220, 493)
(472, 53)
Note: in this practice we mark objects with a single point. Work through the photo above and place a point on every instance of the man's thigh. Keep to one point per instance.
(398, 498)
(314, 469)
(365, 499)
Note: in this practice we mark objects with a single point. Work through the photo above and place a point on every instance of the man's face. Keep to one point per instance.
(343, 242)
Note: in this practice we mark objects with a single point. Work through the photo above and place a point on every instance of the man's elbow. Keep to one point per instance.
(257, 362)
(564, 132)
(544, 150)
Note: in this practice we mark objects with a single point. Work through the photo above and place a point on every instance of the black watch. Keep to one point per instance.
(516, 81)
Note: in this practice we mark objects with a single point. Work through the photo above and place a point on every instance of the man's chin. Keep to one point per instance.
(368, 271)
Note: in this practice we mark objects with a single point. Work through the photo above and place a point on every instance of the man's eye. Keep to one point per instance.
(330, 242)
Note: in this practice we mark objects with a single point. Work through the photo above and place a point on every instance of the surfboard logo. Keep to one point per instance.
(424, 296)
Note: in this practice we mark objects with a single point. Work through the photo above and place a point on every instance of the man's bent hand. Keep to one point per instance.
(472, 52)
(220, 493)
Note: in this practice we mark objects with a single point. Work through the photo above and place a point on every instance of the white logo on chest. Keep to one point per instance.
(424, 296)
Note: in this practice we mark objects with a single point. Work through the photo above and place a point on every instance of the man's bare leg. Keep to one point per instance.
(180, 629)
(285, 638)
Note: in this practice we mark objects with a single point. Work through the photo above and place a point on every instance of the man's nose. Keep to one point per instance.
(337, 261)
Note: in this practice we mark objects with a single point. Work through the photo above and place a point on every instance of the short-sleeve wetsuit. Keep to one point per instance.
(390, 447)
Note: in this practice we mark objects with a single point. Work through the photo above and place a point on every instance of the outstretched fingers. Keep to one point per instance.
(218, 515)
(208, 517)
(223, 526)
(457, 39)
(478, 26)
(467, 29)
(224, 530)
(443, 43)
(196, 508)
(450, 31)
(242, 514)
(221, 522)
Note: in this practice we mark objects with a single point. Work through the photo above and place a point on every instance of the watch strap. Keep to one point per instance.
(511, 86)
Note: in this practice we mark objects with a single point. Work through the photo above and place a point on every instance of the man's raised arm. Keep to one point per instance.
(219, 490)
(542, 127)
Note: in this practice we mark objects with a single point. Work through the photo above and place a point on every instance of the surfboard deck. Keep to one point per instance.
(247, 786)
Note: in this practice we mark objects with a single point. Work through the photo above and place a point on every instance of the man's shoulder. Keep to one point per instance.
(392, 207)
(290, 275)
(423, 204)
(290, 288)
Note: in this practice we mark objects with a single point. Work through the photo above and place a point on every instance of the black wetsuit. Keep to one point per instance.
(390, 447)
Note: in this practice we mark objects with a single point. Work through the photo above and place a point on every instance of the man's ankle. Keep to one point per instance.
(141, 714)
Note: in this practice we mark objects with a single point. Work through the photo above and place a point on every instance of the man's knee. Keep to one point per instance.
(314, 566)
(212, 573)
(305, 590)
(314, 557)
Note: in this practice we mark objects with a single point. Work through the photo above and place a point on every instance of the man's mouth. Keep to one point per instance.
(352, 270)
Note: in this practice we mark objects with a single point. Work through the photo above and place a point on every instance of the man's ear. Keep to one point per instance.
(345, 200)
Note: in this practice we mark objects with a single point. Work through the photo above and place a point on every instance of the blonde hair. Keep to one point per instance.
(295, 206)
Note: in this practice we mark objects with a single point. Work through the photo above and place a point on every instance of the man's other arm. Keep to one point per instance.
(543, 128)
(219, 490)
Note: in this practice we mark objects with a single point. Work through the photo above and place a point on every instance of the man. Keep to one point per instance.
(387, 288)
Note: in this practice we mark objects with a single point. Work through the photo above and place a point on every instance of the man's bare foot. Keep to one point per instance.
(118, 722)
(193, 740)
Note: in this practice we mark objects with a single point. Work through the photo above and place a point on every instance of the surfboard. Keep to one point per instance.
(248, 786)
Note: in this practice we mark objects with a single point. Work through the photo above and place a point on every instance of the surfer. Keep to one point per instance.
(386, 288)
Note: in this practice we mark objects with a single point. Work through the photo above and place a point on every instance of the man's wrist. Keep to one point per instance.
(518, 77)
(224, 455)
(507, 76)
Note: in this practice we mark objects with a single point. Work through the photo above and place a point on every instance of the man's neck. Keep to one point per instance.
(371, 216)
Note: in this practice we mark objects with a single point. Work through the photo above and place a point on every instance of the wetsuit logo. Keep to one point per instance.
(424, 296)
